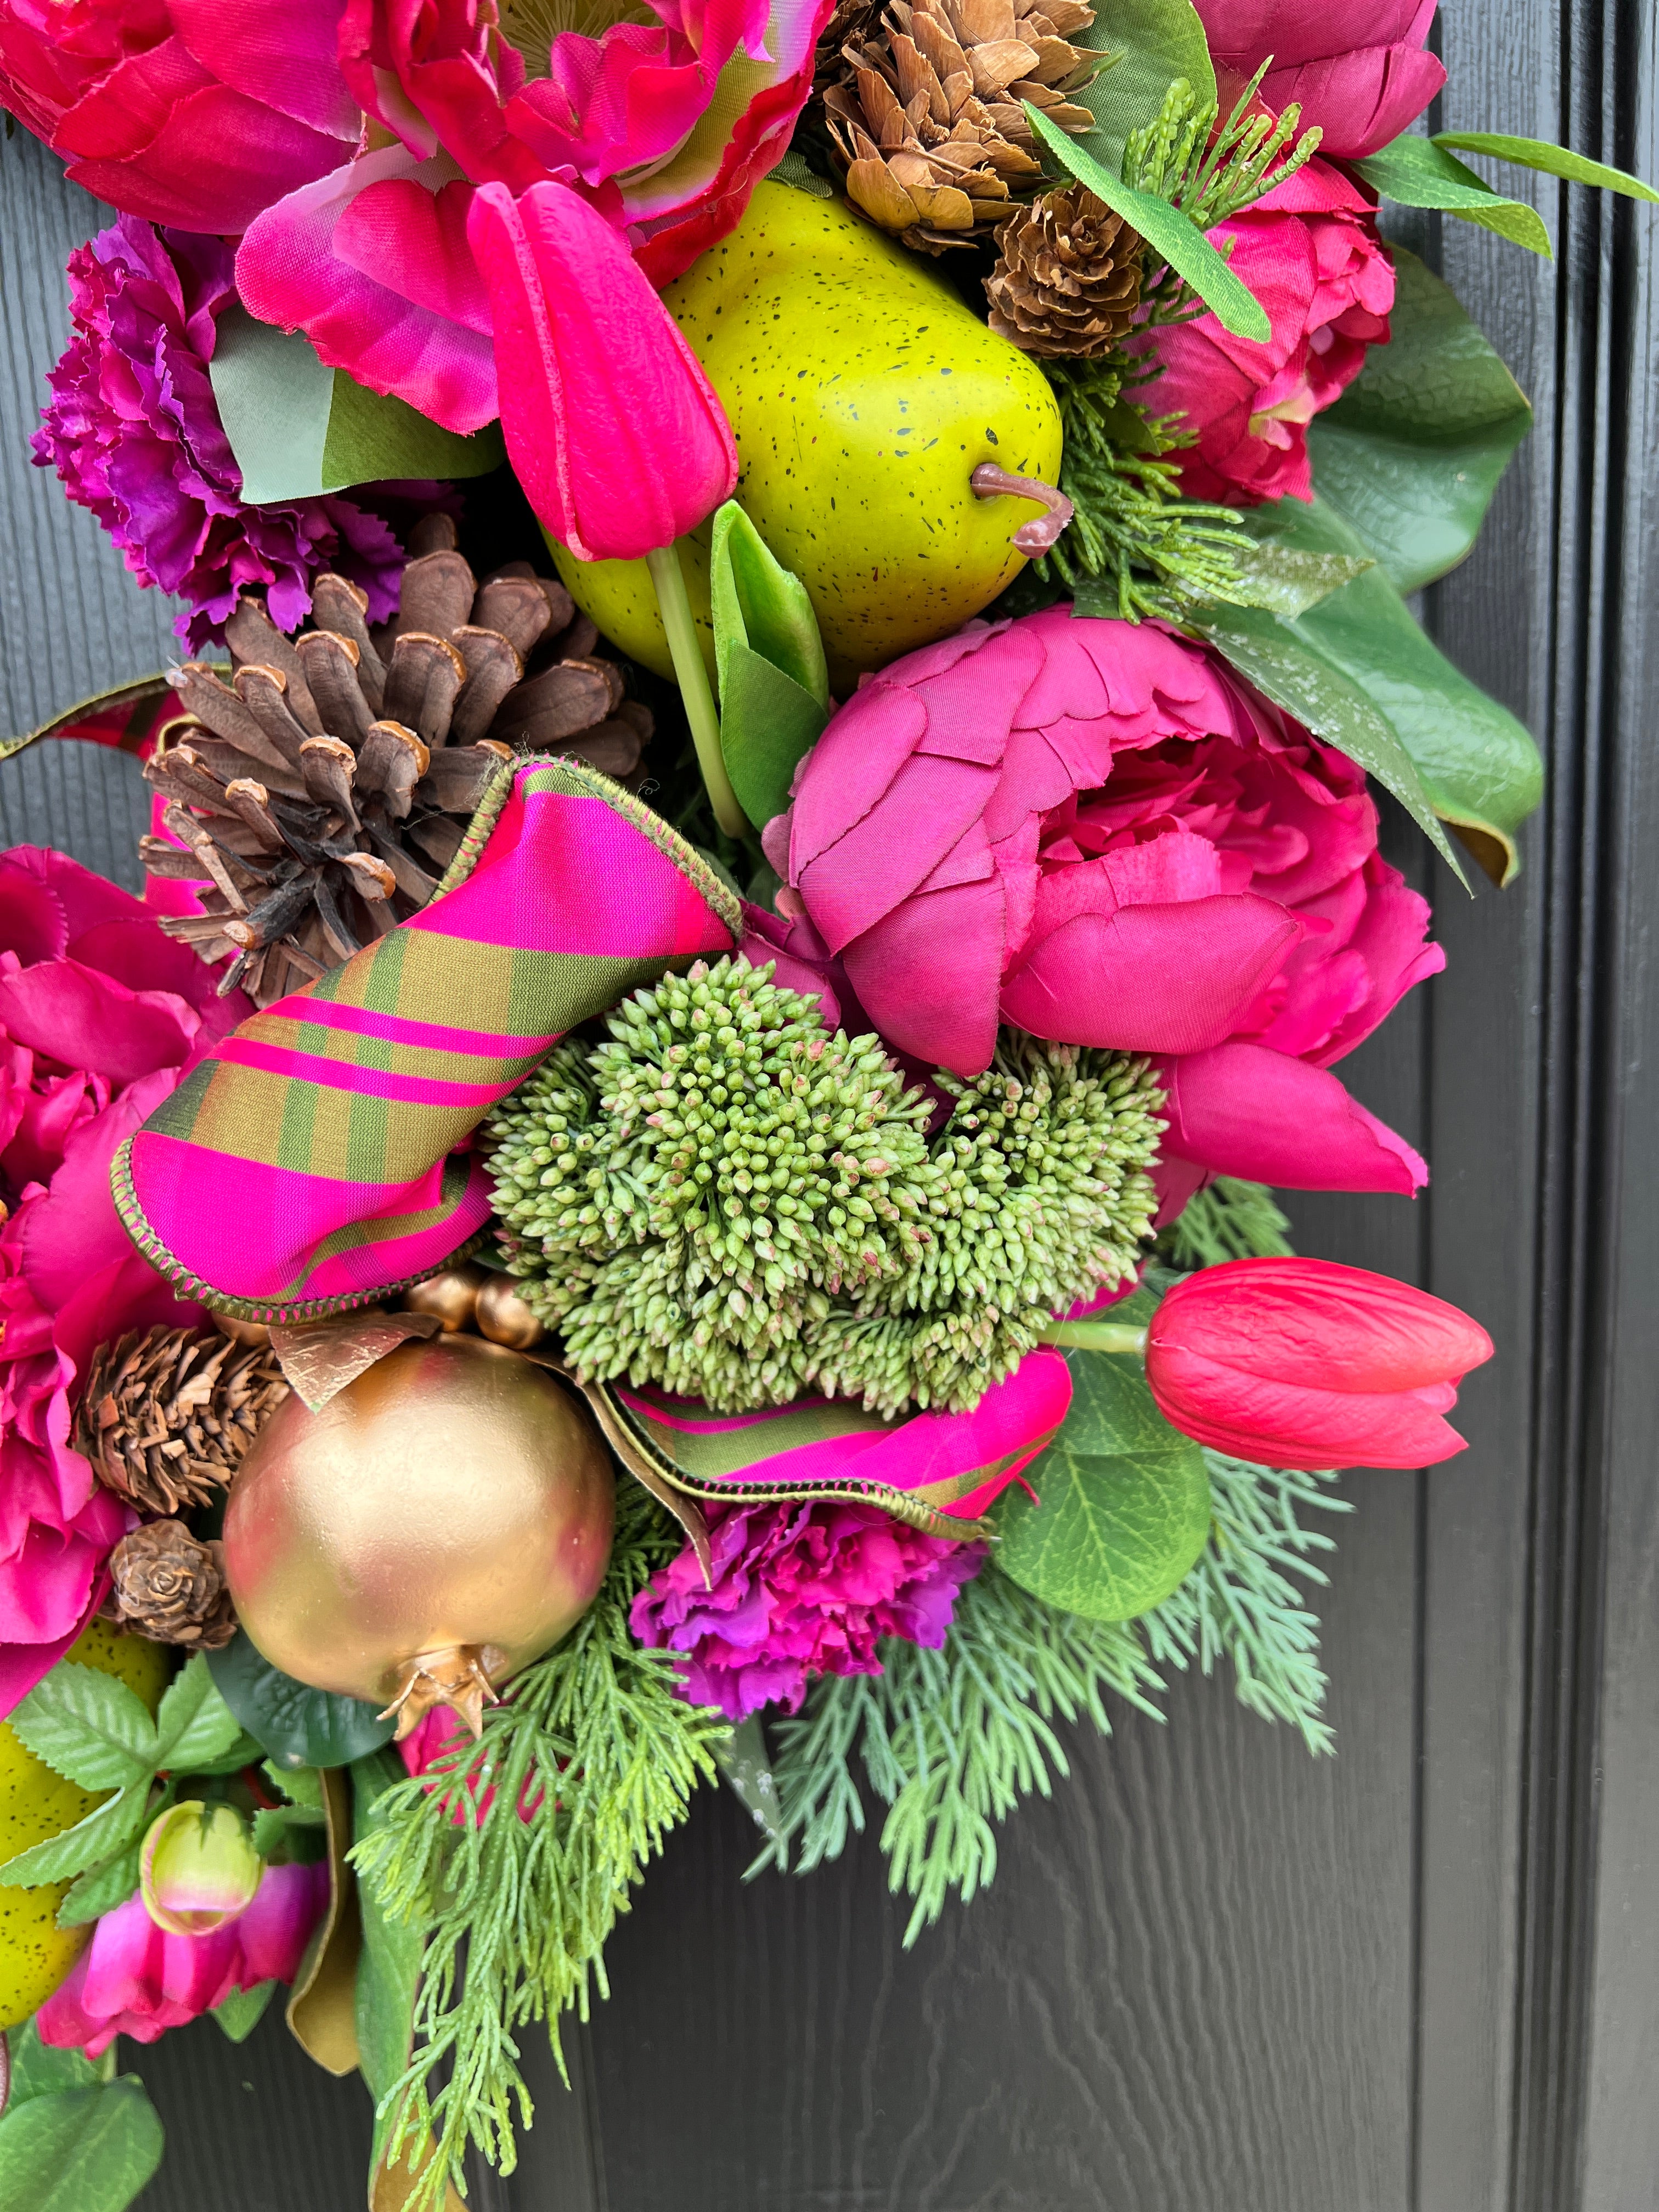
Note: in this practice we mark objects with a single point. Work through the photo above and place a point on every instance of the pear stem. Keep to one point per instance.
(1097, 1335)
(693, 677)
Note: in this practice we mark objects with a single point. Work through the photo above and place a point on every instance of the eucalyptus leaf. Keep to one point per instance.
(1413, 451)
(1124, 1502)
(1171, 235)
(1418, 173)
(297, 1725)
(81, 2150)
(194, 1724)
(88, 1727)
(243, 2009)
(87, 1844)
(1552, 161)
(102, 1888)
(1151, 43)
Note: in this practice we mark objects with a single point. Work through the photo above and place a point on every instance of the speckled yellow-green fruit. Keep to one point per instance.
(862, 394)
(35, 1953)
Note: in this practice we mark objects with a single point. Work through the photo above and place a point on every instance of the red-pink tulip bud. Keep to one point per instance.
(1302, 1363)
(198, 1869)
(611, 427)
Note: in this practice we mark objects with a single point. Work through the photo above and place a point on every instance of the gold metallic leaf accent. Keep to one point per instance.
(320, 1358)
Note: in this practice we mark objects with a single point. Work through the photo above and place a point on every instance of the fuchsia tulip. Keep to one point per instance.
(190, 111)
(1302, 1363)
(611, 427)
(1356, 68)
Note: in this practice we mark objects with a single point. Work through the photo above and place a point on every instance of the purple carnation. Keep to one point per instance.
(799, 1590)
(134, 432)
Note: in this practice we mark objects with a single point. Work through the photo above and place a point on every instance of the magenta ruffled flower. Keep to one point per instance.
(134, 1979)
(1356, 67)
(99, 1014)
(133, 430)
(799, 1590)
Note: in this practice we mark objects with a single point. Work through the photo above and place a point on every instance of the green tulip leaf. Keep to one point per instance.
(1418, 173)
(1413, 451)
(298, 427)
(1552, 161)
(81, 2150)
(1358, 659)
(771, 672)
(1149, 44)
(1125, 1506)
(297, 1725)
(1172, 236)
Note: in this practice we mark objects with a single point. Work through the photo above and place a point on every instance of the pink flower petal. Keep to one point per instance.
(1241, 1109)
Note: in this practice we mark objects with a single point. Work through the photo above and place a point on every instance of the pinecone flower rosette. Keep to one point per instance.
(166, 1417)
(324, 791)
(168, 1587)
(924, 103)
(1067, 279)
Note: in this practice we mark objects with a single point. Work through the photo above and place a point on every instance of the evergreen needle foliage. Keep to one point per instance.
(596, 1748)
(1226, 1220)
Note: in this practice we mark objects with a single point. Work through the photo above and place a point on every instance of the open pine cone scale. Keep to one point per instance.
(324, 790)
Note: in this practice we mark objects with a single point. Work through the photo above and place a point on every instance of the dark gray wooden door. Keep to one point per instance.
(1212, 1975)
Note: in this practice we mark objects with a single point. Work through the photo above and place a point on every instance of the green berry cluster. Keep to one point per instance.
(730, 1200)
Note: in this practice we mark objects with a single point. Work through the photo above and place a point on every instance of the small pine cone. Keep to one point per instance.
(1067, 279)
(166, 1418)
(322, 793)
(172, 1588)
(925, 106)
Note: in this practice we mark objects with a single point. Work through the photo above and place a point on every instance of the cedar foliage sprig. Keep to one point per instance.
(594, 1743)
(1228, 1219)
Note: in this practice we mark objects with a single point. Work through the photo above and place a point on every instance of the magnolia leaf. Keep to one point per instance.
(1152, 43)
(322, 2007)
(88, 1727)
(1287, 582)
(81, 2150)
(1418, 173)
(1171, 235)
(1413, 451)
(194, 1724)
(298, 428)
(1553, 160)
(243, 2009)
(102, 1888)
(87, 1844)
(297, 1725)
(1125, 1505)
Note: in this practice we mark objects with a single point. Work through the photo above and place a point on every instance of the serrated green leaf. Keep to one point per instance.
(1480, 767)
(194, 1724)
(275, 1825)
(102, 1888)
(38, 2070)
(82, 2150)
(1172, 237)
(1552, 161)
(1419, 172)
(302, 1785)
(1124, 1502)
(243, 2009)
(1152, 43)
(88, 1727)
(297, 1725)
(1413, 451)
(245, 1750)
(85, 1846)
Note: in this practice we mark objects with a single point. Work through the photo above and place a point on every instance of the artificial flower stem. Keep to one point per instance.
(693, 677)
(1098, 1336)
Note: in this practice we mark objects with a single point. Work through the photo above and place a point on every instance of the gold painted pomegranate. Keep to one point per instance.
(442, 1522)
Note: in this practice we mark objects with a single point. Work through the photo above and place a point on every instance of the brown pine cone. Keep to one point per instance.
(172, 1588)
(1067, 279)
(325, 789)
(924, 107)
(166, 1417)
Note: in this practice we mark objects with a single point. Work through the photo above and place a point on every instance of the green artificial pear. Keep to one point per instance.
(863, 395)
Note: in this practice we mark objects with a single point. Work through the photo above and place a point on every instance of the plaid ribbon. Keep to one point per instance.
(321, 1156)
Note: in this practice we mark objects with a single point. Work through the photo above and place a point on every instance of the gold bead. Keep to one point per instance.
(452, 1296)
(504, 1318)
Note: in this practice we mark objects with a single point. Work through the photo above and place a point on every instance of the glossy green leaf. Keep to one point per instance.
(1419, 172)
(1125, 1505)
(1360, 652)
(298, 427)
(768, 726)
(1413, 451)
(297, 1725)
(81, 2150)
(770, 671)
(1172, 237)
(1553, 160)
(39, 2069)
(1151, 43)
(87, 1726)
(243, 2009)
(1287, 582)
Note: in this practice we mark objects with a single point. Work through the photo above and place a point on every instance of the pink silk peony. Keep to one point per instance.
(1097, 832)
(133, 1980)
(188, 112)
(799, 1590)
(1311, 253)
(1356, 67)
(99, 1015)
